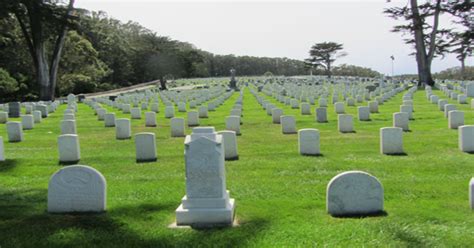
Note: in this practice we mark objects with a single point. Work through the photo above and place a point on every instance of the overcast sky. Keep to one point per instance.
(276, 28)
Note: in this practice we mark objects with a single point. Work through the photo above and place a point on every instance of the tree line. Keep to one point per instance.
(49, 48)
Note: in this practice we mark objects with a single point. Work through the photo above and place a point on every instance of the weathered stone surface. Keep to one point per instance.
(37, 116)
(288, 124)
(391, 140)
(207, 201)
(471, 193)
(233, 123)
(354, 193)
(308, 142)
(466, 138)
(109, 120)
(15, 131)
(145, 147)
(193, 119)
(229, 139)
(3, 117)
(14, 109)
(305, 109)
(77, 188)
(150, 119)
(321, 115)
(203, 112)
(455, 119)
(339, 107)
(177, 127)
(363, 113)
(28, 122)
(123, 129)
(345, 123)
(169, 112)
(374, 107)
(136, 113)
(69, 149)
(447, 108)
(276, 114)
(2, 150)
(68, 127)
(401, 120)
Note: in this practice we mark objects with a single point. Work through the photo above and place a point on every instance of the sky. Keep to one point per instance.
(267, 28)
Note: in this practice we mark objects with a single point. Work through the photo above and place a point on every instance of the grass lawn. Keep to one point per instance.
(280, 195)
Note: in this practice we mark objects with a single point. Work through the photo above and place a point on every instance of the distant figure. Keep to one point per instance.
(233, 82)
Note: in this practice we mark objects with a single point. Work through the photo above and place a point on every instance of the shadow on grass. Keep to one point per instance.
(361, 216)
(402, 154)
(7, 165)
(25, 223)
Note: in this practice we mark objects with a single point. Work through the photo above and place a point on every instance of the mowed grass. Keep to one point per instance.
(280, 195)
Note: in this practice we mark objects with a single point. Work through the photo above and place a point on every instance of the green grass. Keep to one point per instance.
(280, 195)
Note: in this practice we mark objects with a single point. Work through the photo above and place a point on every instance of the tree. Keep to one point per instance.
(42, 23)
(461, 40)
(423, 27)
(324, 54)
(8, 85)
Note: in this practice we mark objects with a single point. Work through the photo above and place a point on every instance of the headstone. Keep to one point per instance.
(447, 108)
(2, 150)
(155, 107)
(391, 141)
(354, 193)
(345, 123)
(44, 110)
(374, 107)
(15, 131)
(308, 142)
(229, 139)
(37, 116)
(203, 113)
(126, 108)
(3, 117)
(123, 129)
(434, 99)
(305, 109)
(455, 119)
(145, 146)
(68, 117)
(471, 193)
(69, 150)
(193, 119)
(288, 124)
(339, 107)
(181, 107)
(276, 114)
(101, 113)
(177, 127)
(407, 109)
(363, 113)
(28, 122)
(109, 120)
(136, 113)
(401, 120)
(321, 115)
(466, 138)
(470, 89)
(442, 103)
(462, 99)
(144, 106)
(233, 123)
(207, 201)
(77, 188)
(169, 112)
(150, 119)
(68, 127)
(323, 103)
(14, 109)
